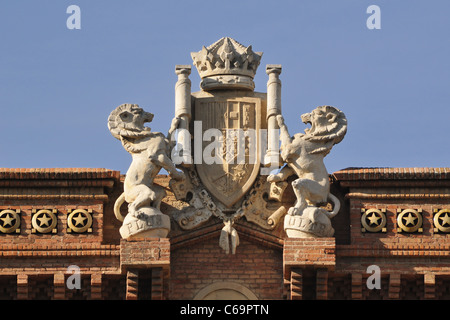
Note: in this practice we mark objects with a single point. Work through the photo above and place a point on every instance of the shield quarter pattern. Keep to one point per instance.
(229, 181)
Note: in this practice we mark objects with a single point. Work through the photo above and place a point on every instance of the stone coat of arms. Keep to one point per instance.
(221, 152)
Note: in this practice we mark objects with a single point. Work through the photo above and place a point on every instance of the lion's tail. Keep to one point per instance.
(120, 200)
(336, 205)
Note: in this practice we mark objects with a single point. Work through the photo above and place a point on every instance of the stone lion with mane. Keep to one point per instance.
(304, 154)
(149, 151)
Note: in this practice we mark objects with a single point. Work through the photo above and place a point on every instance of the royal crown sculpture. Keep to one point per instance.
(223, 155)
(227, 64)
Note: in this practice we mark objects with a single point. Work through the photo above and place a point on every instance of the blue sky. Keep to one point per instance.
(58, 86)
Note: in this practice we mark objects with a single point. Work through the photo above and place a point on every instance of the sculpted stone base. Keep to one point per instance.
(147, 223)
(312, 223)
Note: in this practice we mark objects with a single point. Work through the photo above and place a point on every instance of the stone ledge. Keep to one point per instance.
(58, 173)
(392, 174)
(54, 250)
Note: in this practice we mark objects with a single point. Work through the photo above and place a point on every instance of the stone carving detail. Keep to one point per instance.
(223, 175)
(304, 155)
(258, 208)
(202, 207)
(236, 122)
(227, 63)
(149, 151)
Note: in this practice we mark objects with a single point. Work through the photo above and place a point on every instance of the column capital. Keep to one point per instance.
(273, 68)
(183, 69)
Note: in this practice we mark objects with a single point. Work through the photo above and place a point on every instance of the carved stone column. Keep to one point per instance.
(273, 109)
(183, 109)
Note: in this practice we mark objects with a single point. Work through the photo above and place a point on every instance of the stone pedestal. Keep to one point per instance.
(312, 223)
(306, 261)
(149, 223)
(139, 257)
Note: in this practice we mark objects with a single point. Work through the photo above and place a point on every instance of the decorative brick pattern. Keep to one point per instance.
(394, 286)
(132, 284)
(157, 284)
(322, 284)
(339, 286)
(59, 286)
(414, 265)
(114, 287)
(296, 284)
(392, 174)
(356, 286)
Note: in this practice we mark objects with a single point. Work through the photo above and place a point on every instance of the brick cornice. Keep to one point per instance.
(67, 250)
(58, 173)
(394, 250)
(352, 174)
(395, 183)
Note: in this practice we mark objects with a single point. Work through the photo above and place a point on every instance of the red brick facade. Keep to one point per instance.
(405, 234)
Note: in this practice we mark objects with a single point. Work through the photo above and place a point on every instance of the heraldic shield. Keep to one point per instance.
(230, 145)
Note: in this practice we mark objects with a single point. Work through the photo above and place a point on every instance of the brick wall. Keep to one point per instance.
(258, 268)
(314, 252)
(414, 265)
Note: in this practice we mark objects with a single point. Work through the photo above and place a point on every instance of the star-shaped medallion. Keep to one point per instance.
(445, 219)
(44, 220)
(374, 218)
(410, 219)
(79, 219)
(8, 220)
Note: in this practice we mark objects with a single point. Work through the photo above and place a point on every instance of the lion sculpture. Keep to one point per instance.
(304, 154)
(149, 151)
